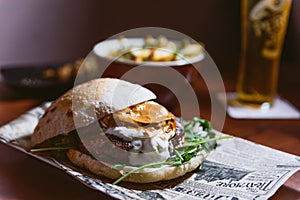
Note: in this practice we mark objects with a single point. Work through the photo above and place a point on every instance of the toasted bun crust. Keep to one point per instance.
(86, 103)
(147, 175)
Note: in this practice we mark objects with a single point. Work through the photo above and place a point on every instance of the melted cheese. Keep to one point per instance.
(149, 118)
(149, 112)
(143, 113)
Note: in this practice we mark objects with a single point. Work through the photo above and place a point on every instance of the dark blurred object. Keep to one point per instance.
(290, 54)
(41, 78)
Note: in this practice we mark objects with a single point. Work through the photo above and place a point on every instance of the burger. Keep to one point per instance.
(113, 128)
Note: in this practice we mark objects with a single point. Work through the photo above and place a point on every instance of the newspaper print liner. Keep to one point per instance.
(17, 134)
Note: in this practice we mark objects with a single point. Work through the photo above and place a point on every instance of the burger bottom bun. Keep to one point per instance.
(147, 175)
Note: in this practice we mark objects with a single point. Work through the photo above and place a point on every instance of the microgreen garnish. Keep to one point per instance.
(195, 143)
(151, 165)
(198, 136)
(118, 166)
(50, 149)
(179, 155)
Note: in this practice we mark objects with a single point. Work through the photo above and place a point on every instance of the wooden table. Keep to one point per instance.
(23, 177)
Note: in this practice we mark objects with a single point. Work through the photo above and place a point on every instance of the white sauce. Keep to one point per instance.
(125, 133)
(159, 153)
(157, 147)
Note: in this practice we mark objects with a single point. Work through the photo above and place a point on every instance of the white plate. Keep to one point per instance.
(102, 49)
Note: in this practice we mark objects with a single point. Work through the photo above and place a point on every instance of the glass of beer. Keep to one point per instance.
(263, 29)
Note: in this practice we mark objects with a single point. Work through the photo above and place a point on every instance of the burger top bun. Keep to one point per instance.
(86, 103)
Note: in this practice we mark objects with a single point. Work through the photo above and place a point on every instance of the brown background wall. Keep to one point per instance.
(52, 30)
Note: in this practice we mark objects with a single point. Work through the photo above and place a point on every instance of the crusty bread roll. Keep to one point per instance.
(91, 101)
(86, 103)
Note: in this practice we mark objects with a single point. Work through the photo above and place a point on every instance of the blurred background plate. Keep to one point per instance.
(45, 81)
(35, 76)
